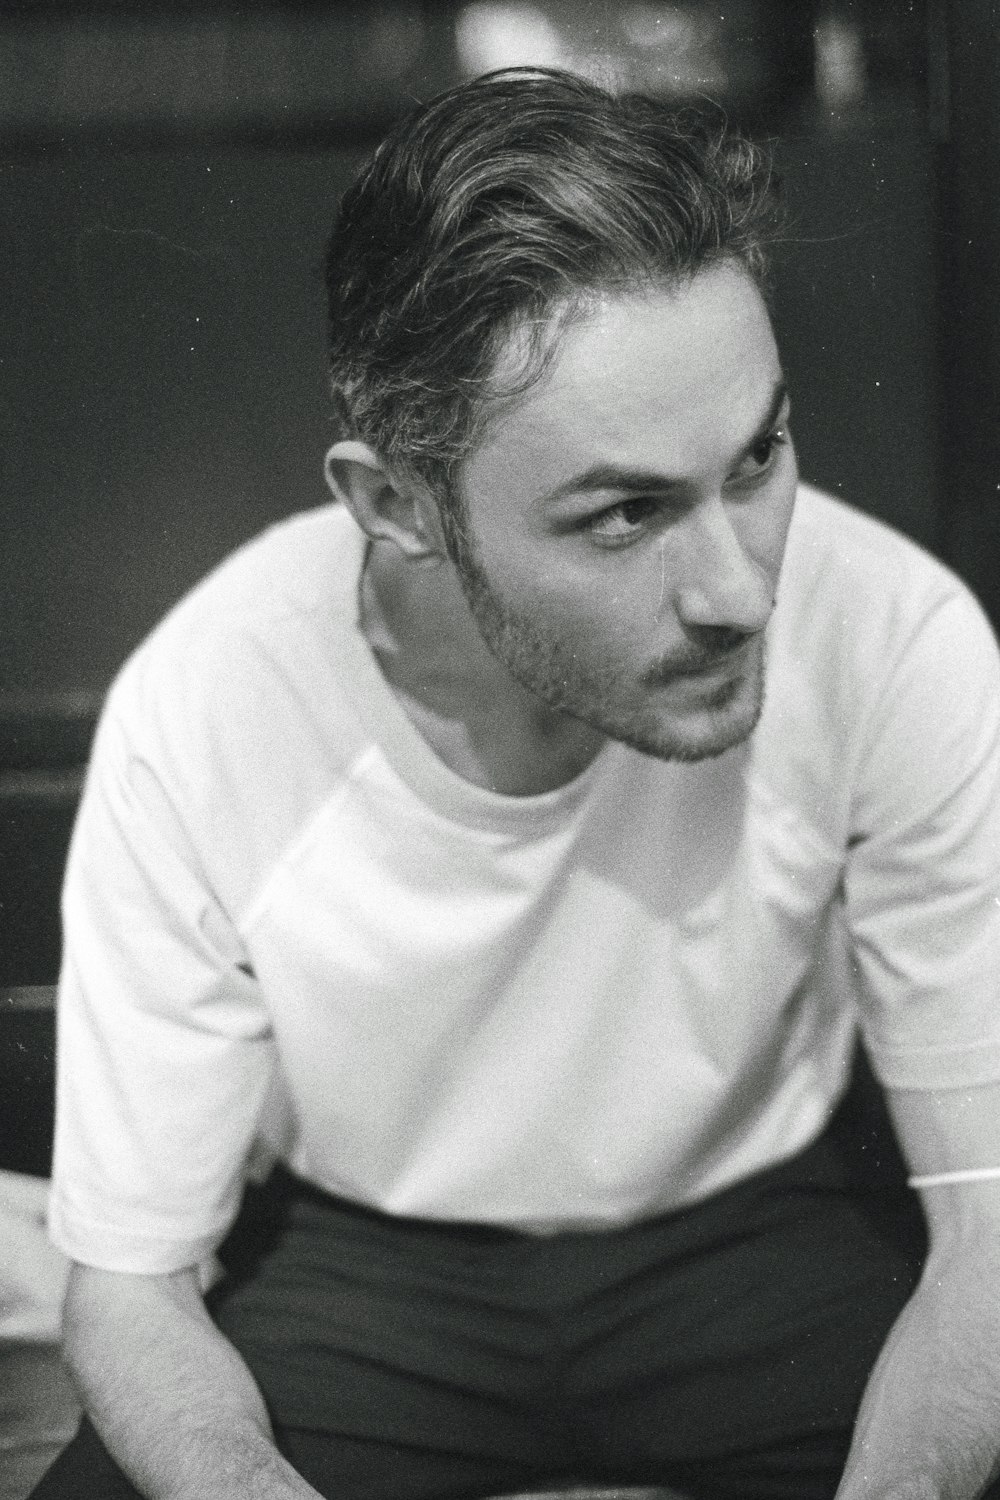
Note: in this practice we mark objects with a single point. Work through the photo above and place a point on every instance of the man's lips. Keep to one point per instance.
(671, 668)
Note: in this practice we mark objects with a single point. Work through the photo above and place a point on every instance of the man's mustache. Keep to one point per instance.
(688, 663)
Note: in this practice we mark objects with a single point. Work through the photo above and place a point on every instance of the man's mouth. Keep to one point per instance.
(704, 665)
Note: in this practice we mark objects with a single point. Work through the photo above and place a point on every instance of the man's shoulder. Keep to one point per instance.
(281, 595)
(242, 694)
(834, 546)
(297, 566)
(870, 632)
(853, 587)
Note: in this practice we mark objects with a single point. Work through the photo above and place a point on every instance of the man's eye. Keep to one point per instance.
(621, 522)
(762, 455)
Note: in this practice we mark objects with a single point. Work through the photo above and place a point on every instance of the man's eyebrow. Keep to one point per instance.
(615, 477)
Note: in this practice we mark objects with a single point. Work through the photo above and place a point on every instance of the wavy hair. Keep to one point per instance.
(484, 223)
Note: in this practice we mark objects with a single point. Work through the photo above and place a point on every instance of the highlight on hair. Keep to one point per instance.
(485, 222)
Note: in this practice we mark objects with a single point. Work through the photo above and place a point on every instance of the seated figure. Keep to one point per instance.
(509, 856)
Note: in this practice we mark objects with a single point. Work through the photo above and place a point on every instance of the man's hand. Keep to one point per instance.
(172, 1400)
(929, 1426)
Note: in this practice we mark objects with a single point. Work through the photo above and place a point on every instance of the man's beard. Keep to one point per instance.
(547, 667)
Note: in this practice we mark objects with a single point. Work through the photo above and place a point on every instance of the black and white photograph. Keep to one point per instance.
(499, 750)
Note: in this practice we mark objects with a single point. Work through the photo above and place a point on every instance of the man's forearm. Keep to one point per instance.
(171, 1398)
(929, 1426)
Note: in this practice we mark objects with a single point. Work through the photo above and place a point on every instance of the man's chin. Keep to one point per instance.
(692, 745)
(699, 732)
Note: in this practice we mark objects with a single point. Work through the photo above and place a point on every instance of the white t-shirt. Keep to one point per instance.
(285, 916)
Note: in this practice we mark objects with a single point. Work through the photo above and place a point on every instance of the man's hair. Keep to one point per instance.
(483, 224)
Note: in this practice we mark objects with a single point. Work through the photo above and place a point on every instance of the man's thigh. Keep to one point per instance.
(729, 1349)
(722, 1350)
(729, 1346)
(726, 1346)
(403, 1337)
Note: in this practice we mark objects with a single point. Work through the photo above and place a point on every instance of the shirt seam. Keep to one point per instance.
(255, 909)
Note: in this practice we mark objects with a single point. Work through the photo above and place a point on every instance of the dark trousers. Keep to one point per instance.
(721, 1350)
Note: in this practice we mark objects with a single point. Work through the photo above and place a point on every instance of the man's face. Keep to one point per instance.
(625, 522)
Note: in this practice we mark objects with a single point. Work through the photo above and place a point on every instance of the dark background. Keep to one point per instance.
(168, 175)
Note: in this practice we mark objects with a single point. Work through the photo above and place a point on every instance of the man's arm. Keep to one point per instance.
(929, 1425)
(172, 1400)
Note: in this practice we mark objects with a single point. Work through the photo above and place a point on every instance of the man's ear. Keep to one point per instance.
(386, 510)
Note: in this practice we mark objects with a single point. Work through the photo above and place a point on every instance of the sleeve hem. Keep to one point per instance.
(966, 1066)
(110, 1248)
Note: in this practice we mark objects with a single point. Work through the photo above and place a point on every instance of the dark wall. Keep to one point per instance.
(162, 390)
(857, 320)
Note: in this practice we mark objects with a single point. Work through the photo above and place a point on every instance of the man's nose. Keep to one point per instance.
(719, 583)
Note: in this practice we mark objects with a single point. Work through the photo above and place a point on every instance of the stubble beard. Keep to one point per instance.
(547, 668)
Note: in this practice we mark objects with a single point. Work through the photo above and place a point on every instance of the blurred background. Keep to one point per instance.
(169, 173)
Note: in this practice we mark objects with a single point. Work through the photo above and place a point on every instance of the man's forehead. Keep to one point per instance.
(632, 373)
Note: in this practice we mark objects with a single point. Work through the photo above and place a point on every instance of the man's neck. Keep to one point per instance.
(464, 703)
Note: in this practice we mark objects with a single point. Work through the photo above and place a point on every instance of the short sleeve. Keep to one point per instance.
(164, 1050)
(922, 880)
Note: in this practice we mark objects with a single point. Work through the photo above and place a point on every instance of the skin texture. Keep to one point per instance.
(640, 608)
(172, 1400)
(631, 605)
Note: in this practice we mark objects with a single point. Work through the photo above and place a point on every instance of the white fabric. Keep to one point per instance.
(284, 913)
(33, 1273)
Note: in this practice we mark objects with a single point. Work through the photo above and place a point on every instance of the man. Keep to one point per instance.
(515, 849)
